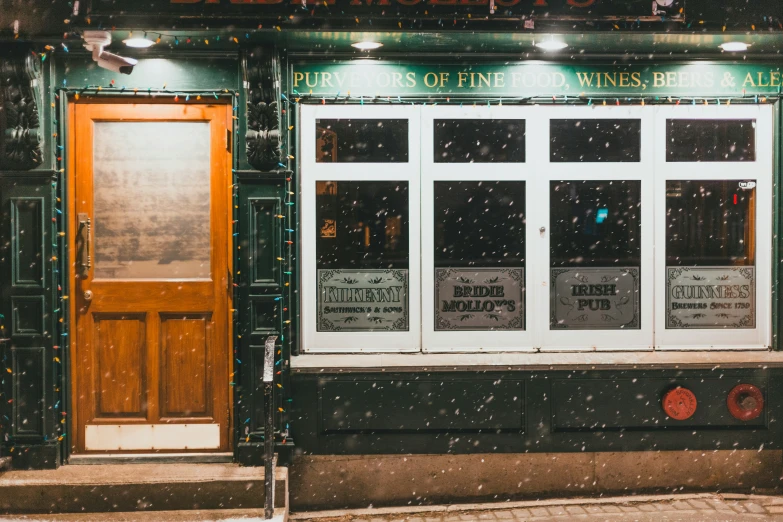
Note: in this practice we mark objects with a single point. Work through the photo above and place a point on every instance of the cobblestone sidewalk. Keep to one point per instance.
(690, 508)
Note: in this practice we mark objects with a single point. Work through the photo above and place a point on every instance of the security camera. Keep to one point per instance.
(95, 41)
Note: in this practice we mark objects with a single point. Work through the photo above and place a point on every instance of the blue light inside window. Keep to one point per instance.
(603, 213)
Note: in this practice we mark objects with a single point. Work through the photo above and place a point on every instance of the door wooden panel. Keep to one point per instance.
(185, 374)
(149, 246)
(120, 365)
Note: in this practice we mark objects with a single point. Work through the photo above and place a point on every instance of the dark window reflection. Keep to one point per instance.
(710, 140)
(361, 141)
(479, 141)
(595, 140)
(479, 224)
(710, 223)
(362, 224)
(595, 223)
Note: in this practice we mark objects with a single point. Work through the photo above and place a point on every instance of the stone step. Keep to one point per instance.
(244, 515)
(138, 487)
(5, 463)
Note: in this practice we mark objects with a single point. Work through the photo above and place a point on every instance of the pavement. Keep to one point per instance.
(654, 508)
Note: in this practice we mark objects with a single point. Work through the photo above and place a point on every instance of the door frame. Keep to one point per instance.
(68, 127)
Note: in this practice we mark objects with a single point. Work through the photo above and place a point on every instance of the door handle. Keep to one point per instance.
(85, 225)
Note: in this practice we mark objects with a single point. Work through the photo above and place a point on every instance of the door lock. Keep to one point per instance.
(542, 231)
(88, 295)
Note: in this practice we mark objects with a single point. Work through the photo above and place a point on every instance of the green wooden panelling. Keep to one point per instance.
(564, 411)
(259, 300)
(26, 301)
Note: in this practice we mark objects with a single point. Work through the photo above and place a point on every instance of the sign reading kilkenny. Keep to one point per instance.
(362, 300)
(535, 79)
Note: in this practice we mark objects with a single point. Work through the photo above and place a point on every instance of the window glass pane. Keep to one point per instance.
(710, 140)
(151, 200)
(479, 254)
(595, 249)
(361, 141)
(479, 141)
(710, 254)
(595, 140)
(362, 255)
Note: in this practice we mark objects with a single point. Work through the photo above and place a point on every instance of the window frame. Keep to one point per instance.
(310, 172)
(760, 170)
(588, 339)
(471, 340)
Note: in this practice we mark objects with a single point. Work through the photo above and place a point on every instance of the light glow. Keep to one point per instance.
(734, 47)
(366, 46)
(139, 43)
(551, 45)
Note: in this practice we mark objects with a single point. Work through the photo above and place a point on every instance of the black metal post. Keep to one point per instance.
(269, 426)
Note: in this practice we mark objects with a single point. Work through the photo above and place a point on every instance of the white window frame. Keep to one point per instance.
(479, 340)
(761, 171)
(594, 340)
(313, 340)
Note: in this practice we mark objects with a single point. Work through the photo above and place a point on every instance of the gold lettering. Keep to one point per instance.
(411, 79)
(326, 79)
(761, 81)
(774, 78)
(315, 79)
(624, 79)
(484, 79)
(461, 78)
(298, 77)
(748, 81)
(434, 79)
(658, 79)
(610, 79)
(444, 78)
(585, 79)
(397, 79)
(671, 79)
(636, 79)
(500, 80)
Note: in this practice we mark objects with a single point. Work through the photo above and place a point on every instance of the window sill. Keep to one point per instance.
(362, 362)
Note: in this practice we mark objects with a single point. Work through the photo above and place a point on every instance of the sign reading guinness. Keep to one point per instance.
(711, 297)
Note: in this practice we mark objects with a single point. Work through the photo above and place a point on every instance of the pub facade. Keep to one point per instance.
(516, 238)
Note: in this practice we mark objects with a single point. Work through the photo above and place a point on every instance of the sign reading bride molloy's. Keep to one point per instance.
(479, 299)
(711, 297)
(595, 298)
(362, 300)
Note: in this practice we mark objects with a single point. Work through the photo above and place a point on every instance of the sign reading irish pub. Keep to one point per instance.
(479, 299)
(594, 298)
(362, 300)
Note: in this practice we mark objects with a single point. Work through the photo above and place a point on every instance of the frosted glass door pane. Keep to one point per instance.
(151, 200)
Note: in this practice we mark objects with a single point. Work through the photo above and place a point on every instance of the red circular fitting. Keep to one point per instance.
(745, 402)
(679, 403)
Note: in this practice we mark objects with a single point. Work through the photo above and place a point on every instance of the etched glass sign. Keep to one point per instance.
(362, 300)
(595, 255)
(710, 254)
(479, 253)
(362, 255)
(479, 299)
(151, 200)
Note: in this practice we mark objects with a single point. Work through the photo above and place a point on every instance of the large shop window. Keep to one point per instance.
(444, 228)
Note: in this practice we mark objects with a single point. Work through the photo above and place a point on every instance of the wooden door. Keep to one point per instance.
(150, 276)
